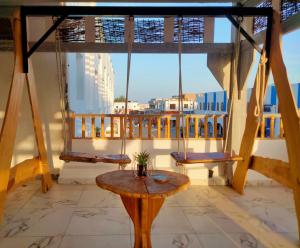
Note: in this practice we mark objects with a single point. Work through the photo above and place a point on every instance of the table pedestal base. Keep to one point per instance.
(142, 212)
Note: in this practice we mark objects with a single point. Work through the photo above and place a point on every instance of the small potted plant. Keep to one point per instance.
(142, 159)
(97, 132)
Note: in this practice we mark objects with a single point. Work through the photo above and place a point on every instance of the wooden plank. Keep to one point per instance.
(289, 111)
(90, 29)
(281, 129)
(209, 28)
(272, 168)
(92, 47)
(169, 29)
(23, 172)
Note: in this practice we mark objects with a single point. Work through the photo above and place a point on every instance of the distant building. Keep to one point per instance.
(119, 107)
(90, 82)
(217, 101)
(172, 105)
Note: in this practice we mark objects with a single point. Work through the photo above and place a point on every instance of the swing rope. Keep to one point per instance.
(129, 48)
(180, 93)
(235, 80)
(61, 85)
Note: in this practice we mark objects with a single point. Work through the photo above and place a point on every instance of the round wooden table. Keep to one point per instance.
(142, 198)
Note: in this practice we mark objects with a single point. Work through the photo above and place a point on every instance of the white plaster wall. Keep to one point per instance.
(48, 98)
(160, 151)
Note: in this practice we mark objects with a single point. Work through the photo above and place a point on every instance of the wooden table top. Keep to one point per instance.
(124, 183)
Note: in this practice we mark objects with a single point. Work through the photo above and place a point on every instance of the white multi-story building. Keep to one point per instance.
(91, 83)
(119, 107)
(171, 104)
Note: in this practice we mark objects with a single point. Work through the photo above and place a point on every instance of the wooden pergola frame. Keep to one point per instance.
(287, 174)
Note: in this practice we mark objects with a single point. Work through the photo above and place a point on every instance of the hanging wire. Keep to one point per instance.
(124, 122)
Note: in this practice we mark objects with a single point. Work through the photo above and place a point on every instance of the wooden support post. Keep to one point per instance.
(289, 110)
(38, 130)
(111, 127)
(225, 118)
(10, 122)
(122, 127)
(168, 127)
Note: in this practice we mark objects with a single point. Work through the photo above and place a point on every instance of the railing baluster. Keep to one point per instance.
(272, 119)
(130, 128)
(224, 127)
(158, 127)
(281, 128)
(149, 128)
(102, 127)
(262, 127)
(177, 127)
(93, 127)
(206, 126)
(169, 127)
(196, 127)
(112, 127)
(215, 126)
(83, 127)
(187, 126)
(121, 127)
(140, 127)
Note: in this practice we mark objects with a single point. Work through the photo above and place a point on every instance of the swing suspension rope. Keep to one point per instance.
(124, 121)
(235, 80)
(61, 85)
(180, 93)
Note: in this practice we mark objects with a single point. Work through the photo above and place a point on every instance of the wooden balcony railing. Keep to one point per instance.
(148, 127)
(109, 126)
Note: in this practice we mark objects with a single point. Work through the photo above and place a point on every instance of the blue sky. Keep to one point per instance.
(156, 75)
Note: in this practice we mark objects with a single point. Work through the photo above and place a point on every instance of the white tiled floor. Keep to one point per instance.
(84, 216)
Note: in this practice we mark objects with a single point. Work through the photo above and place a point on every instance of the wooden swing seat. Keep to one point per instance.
(94, 158)
(205, 157)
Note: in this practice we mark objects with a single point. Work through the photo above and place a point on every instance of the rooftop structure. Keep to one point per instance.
(231, 149)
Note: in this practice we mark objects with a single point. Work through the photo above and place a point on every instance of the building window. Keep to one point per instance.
(200, 105)
(222, 106)
(212, 105)
(185, 105)
(172, 106)
(218, 107)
